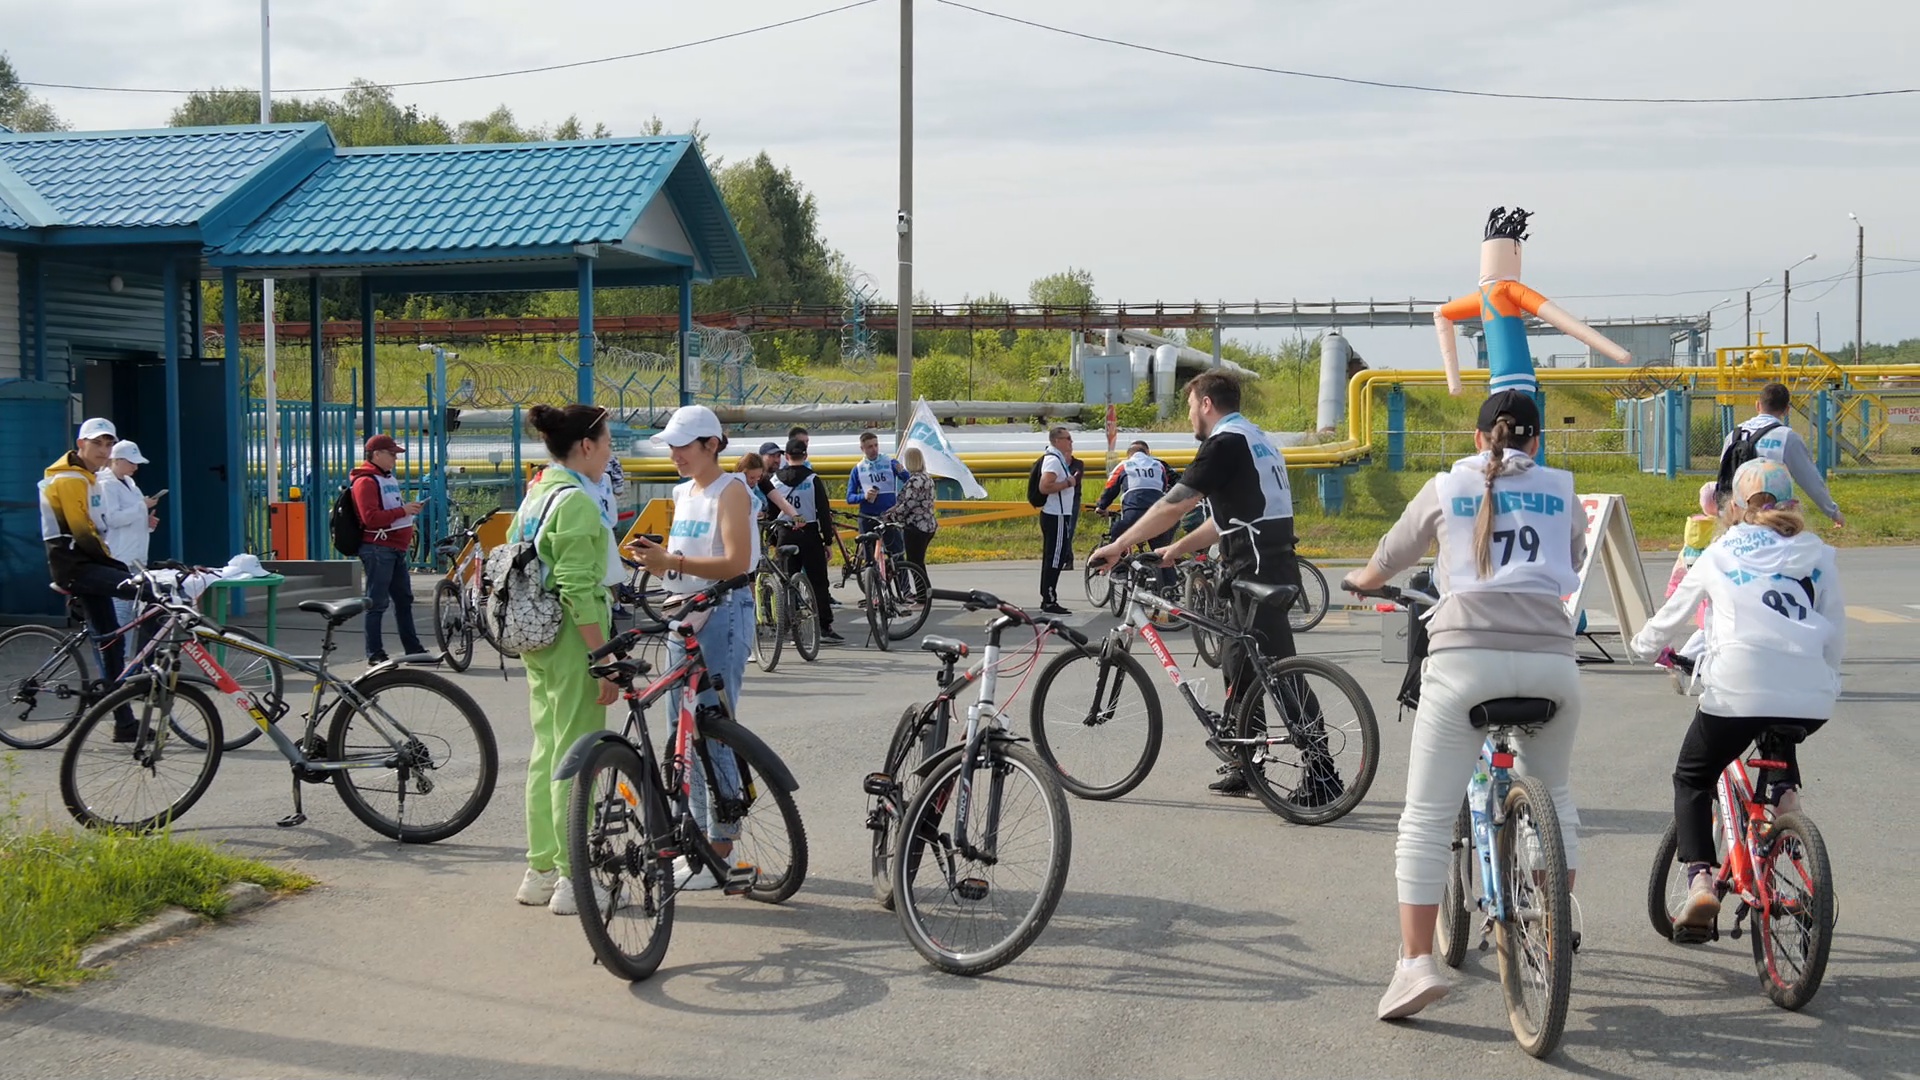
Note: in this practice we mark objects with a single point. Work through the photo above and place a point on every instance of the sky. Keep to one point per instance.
(1174, 180)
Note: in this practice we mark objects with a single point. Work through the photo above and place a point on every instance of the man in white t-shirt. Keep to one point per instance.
(1060, 484)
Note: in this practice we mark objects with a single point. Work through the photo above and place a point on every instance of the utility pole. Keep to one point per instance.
(903, 346)
(266, 285)
(1859, 286)
(1749, 338)
(1786, 305)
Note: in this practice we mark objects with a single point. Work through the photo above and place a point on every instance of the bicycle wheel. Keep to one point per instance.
(911, 600)
(1095, 720)
(1535, 941)
(451, 630)
(1667, 886)
(773, 839)
(769, 620)
(148, 783)
(616, 829)
(486, 629)
(1321, 766)
(804, 617)
(1099, 586)
(1452, 923)
(43, 677)
(1201, 599)
(438, 756)
(1311, 605)
(647, 594)
(1793, 925)
(968, 910)
(875, 591)
(256, 673)
(920, 734)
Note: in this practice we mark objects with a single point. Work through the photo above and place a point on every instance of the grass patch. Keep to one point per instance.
(60, 890)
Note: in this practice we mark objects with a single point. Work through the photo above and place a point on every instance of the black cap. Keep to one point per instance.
(1517, 404)
(796, 448)
(769, 448)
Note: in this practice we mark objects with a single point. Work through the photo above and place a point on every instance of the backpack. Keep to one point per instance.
(1034, 498)
(343, 521)
(523, 614)
(1738, 452)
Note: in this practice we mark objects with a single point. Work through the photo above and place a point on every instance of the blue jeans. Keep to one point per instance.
(723, 643)
(389, 584)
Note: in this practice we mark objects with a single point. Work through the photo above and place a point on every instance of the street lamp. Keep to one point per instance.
(1859, 284)
(1762, 284)
(1786, 303)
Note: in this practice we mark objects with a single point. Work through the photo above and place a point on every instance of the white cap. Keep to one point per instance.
(689, 422)
(96, 427)
(245, 565)
(127, 450)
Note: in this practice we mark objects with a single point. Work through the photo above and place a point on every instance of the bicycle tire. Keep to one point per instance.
(921, 826)
(647, 595)
(632, 808)
(1113, 670)
(912, 602)
(1202, 599)
(1659, 903)
(1812, 912)
(1315, 808)
(92, 744)
(779, 877)
(874, 590)
(56, 687)
(451, 629)
(919, 734)
(486, 629)
(1537, 1031)
(239, 728)
(350, 783)
(1099, 585)
(805, 617)
(769, 621)
(1310, 606)
(1452, 923)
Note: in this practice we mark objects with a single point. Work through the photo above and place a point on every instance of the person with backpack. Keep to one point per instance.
(1053, 486)
(1768, 435)
(813, 517)
(385, 535)
(577, 554)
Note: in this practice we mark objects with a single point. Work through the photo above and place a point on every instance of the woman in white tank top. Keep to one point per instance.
(713, 539)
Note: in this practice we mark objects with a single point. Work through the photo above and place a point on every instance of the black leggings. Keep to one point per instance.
(1711, 744)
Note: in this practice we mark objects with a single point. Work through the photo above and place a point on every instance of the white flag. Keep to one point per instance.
(925, 433)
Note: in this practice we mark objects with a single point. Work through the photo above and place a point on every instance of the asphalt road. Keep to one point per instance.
(1198, 936)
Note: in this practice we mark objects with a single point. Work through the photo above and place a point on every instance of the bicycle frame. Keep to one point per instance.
(1742, 817)
(1496, 756)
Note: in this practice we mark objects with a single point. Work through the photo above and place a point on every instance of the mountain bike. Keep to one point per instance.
(1508, 863)
(631, 816)
(50, 679)
(923, 731)
(397, 739)
(782, 607)
(1096, 717)
(895, 591)
(985, 841)
(1310, 607)
(460, 598)
(1776, 864)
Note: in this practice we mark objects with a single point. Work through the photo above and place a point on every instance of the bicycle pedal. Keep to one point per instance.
(972, 888)
(740, 879)
(879, 785)
(1698, 935)
(291, 820)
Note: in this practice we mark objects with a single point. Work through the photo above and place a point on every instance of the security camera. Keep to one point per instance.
(904, 222)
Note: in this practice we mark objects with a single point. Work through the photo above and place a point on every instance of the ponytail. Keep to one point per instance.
(1761, 511)
(1499, 439)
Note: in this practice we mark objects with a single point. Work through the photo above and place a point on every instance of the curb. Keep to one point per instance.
(171, 922)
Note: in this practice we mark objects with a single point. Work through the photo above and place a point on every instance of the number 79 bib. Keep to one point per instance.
(1532, 528)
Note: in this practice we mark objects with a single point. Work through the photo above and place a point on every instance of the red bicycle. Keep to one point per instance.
(1775, 862)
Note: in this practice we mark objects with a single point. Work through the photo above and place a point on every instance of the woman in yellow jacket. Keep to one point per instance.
(575, 539)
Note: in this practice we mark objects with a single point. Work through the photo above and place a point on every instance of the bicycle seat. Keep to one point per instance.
(1265, 594)
(1512, 712)
(1790, 734)
(946, 648)
(788, 549)
(335, 611)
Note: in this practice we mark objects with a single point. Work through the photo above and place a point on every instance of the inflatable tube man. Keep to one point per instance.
(1501, 305)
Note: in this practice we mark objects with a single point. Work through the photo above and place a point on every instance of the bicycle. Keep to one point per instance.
(958, 863)
(625, 831)
(1103, 747)
(1310, 607)
(460, 598)
(922, 732)
(51, 679)
(1507, 839)
(896, 592)
(1774, 862)
(782, 606)
(363, 734)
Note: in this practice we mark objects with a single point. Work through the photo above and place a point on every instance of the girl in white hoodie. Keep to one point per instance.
(1775, 636)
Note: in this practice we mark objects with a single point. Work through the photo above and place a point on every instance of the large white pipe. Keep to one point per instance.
(1335, 353)
(1166, 363)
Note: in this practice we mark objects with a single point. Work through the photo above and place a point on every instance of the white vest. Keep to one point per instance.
(1276, 496)
(1144, 474)
(801, 496)
(696, 531)
(1532, 528)
(390, 500)
(878, 475)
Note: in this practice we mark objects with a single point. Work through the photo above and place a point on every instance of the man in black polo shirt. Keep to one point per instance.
(1243, 478)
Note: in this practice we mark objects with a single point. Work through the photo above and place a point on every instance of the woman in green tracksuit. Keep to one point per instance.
(576, 543)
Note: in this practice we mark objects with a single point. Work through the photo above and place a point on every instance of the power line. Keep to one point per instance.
(1425, 89)
(477, 78)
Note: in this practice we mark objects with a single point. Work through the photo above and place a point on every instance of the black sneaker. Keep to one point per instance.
(1053, 607)
(832, 638)
(1231, 784)
(376, 658)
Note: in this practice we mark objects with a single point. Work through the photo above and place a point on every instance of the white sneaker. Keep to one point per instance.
(563, 902)
(688, 879)
(1416, 984)
(537, 887)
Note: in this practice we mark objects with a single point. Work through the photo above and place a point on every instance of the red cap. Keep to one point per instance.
(383, 442)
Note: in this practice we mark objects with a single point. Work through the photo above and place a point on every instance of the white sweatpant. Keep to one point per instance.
(1445, 747)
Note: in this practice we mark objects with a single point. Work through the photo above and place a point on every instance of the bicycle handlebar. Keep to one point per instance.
(981, 600)
(1395, 594)
(703, 600)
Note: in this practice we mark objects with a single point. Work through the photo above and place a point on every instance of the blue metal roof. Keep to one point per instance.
(385, 207)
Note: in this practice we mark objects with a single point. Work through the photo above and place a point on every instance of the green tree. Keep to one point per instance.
(19, 108)
(1071, 287)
